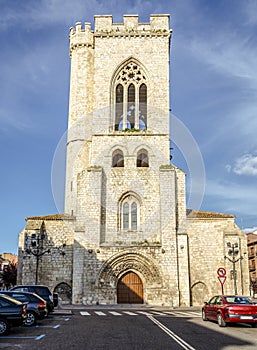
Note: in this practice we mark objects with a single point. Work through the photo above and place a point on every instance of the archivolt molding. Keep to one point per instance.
(126, 261)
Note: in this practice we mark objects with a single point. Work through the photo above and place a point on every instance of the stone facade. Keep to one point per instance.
(128, 217)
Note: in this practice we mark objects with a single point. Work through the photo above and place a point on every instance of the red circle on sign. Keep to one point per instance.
(221, 272)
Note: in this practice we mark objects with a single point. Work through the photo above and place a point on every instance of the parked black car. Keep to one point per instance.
(12, 313)
(36, 307)
(42, 291)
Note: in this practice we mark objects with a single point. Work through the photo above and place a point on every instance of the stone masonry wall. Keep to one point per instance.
(207, 248)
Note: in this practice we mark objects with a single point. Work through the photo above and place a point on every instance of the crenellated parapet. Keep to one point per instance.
(80, 37)
(158, 25)
(104, 27)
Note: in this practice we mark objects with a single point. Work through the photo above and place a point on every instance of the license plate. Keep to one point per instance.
(246, 317)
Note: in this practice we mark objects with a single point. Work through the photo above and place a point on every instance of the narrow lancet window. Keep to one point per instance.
(142, 107)
(131, 107)
(134, 216)
(126, 216)
(119, 108)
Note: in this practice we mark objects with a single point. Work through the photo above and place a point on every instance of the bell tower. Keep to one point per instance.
(119, 80)
(120, 185)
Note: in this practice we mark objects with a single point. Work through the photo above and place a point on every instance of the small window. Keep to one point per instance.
(118, 159)
(142, 159)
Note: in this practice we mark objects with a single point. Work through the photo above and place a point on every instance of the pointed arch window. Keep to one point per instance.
(142, 159)
(130, 96)
(130, 213)
(117, 159)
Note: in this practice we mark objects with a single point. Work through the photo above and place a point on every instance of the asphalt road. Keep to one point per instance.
(130, 329)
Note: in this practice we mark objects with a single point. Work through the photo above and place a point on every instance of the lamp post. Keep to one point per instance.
(34, 245)
(233, 252)
(36, 248)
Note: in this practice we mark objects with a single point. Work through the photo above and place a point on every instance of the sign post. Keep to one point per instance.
(222, 277)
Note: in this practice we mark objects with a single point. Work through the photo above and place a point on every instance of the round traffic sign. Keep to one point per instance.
(221, 272)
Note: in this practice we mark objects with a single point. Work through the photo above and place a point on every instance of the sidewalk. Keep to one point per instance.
(67, 309)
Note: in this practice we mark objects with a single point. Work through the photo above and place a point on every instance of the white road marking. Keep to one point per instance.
(115, 313)
(56, 326)
(85, 313)
(174, 336)
(40, 337)
(144, 313)
(183, 314)
(199, 314)
(100, 313)
(157, 313)
(139, 312)
(23, 337)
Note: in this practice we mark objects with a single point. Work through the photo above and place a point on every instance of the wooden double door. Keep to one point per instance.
(130, 289)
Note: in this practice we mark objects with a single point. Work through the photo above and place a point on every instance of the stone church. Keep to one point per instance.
(126, 235)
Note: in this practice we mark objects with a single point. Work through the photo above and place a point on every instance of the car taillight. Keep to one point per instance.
(41, 304)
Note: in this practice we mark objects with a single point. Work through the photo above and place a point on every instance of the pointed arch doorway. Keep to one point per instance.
(130, 289)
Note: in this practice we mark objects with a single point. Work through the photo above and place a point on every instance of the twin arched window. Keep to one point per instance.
(131, 98)
(118, 159)
(130, 213)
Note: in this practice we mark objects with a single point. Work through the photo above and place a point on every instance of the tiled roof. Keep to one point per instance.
(191, 214)
(251, 237)
(51, 217)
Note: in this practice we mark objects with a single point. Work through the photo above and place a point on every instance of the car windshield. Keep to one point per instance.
(42, 291)
(238, 300)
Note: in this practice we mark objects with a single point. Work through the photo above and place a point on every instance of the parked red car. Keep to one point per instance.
(230, 308)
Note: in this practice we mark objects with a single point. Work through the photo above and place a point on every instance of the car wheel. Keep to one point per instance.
(254, 325)
(204, 316)
(4, 326)
(221, 322)
(31, 319)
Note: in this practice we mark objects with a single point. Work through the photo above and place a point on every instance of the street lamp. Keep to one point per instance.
(34, 245)
(233, 252)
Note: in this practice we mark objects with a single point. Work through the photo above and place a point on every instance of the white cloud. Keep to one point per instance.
(229, 54)
(245, 165)
(250, 230)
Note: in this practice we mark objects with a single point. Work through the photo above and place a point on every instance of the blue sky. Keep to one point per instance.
(213, 92)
